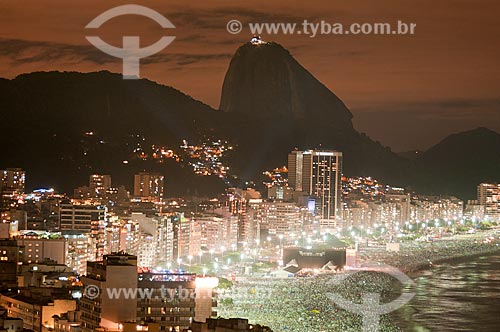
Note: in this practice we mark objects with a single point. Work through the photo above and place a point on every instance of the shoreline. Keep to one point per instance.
(451, 260)
(301, 304)
(414, 257)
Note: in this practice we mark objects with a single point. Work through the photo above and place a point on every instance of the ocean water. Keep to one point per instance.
(455, 297)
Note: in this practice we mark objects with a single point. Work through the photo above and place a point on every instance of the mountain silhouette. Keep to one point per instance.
(63, 126)
(458, 163)
(264, 79)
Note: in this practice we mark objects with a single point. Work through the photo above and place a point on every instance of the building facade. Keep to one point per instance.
(319, 175)
(171, 300)
(488, 195)
(149, 186)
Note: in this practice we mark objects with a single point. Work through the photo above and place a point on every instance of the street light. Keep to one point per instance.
(222, 248)
(281, 245)
(200, 254)
(179, 263)
(190, 257)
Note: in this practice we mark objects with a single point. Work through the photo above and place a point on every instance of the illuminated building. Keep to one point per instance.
(85, 218)
(213, 231)
(177, 299)
(173, 300)
(474, 211)
(37, 307)
(488, 195)
(98, 184)
(46, 274)
(164, 241)
(67, 322)
(12, 181)
(151, 238)
(116, 235)
(79, 251)
(114, 271)
(181, 240)
(11, 256)
(318, 174)
(433, 207)
(149, 186)
(278, 219)
(80, 217)
(238, 202)
(283, 193)
(146, 251)
(38, 249)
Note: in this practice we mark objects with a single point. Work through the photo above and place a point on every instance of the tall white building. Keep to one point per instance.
(319, 175)
(151, 241)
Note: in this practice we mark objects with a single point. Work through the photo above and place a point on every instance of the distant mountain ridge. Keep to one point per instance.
(48, 127)
(45, 117)
(459, 162)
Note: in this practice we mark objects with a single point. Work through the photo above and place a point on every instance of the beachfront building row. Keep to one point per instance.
(394, 211)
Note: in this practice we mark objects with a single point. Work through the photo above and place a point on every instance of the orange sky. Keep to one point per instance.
(406, 91)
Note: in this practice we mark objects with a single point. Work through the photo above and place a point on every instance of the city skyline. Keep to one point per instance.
(242, 166)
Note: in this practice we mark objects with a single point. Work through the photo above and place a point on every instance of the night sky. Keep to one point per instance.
(408, 92)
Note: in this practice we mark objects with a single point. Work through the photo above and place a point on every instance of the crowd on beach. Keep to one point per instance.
(417, 255)
(304, 304)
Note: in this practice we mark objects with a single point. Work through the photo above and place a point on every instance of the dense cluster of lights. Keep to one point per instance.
(367, 187)
(278, 177)
(207, 158)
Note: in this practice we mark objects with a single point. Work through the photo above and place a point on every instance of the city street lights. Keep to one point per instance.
(222, 248)
(281, 245)
(190, 257)
(200, 254)
(179, 263)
